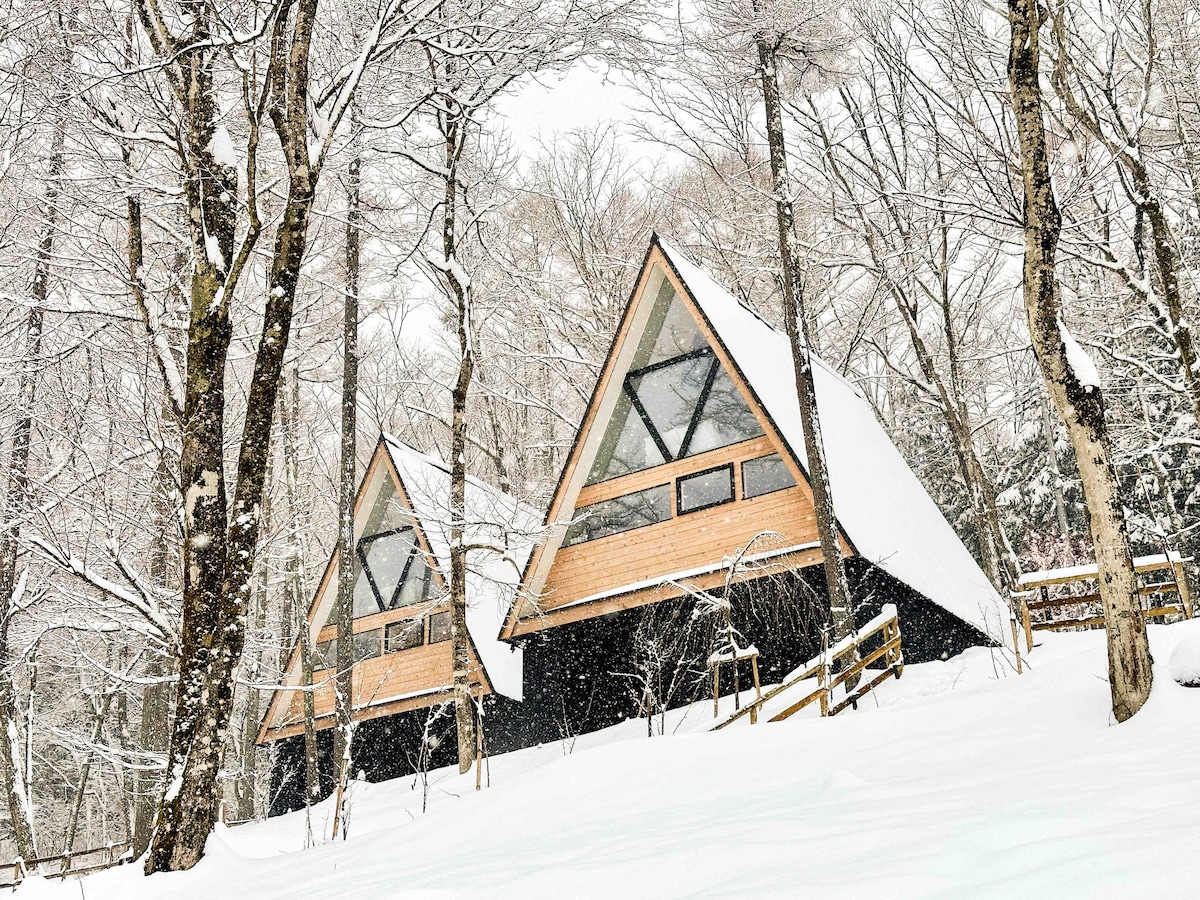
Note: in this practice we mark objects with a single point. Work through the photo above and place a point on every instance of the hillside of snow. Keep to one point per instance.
(960, 780)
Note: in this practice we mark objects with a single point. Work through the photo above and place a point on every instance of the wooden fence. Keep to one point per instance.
(885, 627)
(80, 862)
(1039, 611)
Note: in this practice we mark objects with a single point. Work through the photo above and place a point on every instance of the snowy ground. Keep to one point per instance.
(963, 780)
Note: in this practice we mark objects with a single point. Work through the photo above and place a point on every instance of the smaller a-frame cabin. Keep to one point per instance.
(690, 453)
(402, 621)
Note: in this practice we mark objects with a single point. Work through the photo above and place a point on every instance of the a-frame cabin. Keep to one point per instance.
(402, 621)
(691, 452)
(686, 479)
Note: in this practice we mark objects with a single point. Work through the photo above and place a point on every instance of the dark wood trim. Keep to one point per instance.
(680, 511)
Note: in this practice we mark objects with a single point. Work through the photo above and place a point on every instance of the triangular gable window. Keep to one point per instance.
(389, 565)
(676, 400)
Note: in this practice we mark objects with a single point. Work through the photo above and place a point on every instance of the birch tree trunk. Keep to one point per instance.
(12, 780)
(460, 289)
(1080, 403)
(348, 477)
(798, 331)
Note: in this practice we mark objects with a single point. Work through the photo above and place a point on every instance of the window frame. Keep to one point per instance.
(322, 655)
(416, 625)
(697, 410)
(360, 551)
(429, 627)
(746, 496)
(680, 511)
(356, 640)
(566, 542)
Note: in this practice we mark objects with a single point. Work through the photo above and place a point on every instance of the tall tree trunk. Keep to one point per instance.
(12, 780)
(246, 783)
(85, 772)
(460, 291)
(220, 545)
(348, 474)
(798, 331)
(1079, 402)
(289, 415)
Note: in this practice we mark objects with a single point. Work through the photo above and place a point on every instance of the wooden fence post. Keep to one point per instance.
(1016, 643)
(1181, 583)
(823, 675)
(1028, 624)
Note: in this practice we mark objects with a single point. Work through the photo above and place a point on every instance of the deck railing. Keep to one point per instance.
(885, 626)
(1041, 612)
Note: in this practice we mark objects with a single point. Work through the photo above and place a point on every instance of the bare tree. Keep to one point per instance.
(1071, 378)
(770, 42)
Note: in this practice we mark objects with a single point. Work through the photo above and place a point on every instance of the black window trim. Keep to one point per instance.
(366, 540)
(379, 644)
(786, 487)
(429, 627)
(710, 378)
(411, 620)
(664, 484)
(680, 511)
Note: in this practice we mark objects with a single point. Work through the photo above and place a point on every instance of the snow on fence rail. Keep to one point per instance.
(1155, 597)
(79, 862)
(886, 625)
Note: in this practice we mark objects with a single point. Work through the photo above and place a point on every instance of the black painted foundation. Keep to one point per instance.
(582, 677)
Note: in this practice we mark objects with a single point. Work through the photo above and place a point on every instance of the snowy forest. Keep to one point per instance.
(239, 240)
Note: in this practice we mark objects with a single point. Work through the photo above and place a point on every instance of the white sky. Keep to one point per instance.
(587, 94)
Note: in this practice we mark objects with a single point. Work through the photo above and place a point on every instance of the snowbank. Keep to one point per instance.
(960, 780)
(1184, 664)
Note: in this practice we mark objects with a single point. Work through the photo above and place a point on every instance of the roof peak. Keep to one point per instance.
(675, 256)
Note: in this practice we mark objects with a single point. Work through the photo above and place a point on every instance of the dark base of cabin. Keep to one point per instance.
(585, 676)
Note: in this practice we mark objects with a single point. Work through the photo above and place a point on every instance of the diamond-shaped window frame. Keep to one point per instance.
(360, 551)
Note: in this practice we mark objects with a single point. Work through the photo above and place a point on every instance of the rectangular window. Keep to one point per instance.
(620, 514)
(704, 489)
(403, 635)
(765, 475)
(325, 655)
(367, 644)
(439, 627)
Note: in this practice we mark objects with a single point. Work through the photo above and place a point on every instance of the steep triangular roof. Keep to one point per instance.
(494, 520)
(882, 509)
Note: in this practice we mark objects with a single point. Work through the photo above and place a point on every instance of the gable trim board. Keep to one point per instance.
(417, 479)
(883, 512)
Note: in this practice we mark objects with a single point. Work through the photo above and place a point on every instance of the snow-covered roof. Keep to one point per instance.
(881, 506)
(494, 519)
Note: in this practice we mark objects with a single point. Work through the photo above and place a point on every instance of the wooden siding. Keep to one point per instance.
(682, 543)
(564, 615)
(410, 679)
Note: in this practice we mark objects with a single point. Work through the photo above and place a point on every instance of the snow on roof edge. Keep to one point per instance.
(492, 579)
(867, 472)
